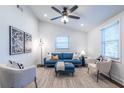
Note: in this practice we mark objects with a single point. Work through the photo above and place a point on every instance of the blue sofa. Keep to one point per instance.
(66, 57)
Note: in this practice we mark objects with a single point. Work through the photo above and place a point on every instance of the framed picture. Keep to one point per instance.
(28, 43)
(16, 38)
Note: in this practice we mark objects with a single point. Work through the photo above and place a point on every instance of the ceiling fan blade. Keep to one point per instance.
(56, 18)
(57, 10)
(74, 17)
(73, 8)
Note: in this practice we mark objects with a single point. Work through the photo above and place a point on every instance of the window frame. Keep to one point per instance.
(62, 48)
(120, 42)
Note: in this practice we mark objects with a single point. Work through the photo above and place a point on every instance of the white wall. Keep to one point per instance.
(49, 32)
(10, 15)
(94, 46)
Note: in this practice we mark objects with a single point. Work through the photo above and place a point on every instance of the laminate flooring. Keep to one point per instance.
(46, 78)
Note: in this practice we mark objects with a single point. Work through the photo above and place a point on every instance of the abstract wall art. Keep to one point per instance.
(28, 43)
(16, 38)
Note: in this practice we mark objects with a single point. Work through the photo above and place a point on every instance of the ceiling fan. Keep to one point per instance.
(65, 14)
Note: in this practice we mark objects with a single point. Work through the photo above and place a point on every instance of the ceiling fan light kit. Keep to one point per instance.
(64, 19)
(65, 14)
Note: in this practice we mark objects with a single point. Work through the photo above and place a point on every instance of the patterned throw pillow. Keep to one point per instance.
(13, 64)
(75, 56)
(21, 66)
(9, 64)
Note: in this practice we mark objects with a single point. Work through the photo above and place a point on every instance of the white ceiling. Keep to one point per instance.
(90, 15)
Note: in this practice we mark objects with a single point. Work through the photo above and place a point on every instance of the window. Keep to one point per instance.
(111, 41)
(62, 42)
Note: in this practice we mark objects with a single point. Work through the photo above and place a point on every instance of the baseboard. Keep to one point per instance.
(117, 79)
(119, 82)
(40, 65)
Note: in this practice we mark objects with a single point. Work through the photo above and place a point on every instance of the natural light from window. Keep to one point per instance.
(62, 42)
(111, 41)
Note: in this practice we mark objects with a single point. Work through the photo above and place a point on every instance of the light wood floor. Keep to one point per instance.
(46, 79)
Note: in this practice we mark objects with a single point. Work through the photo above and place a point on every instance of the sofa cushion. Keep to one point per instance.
(67, 60)
(59, 55)
(52, 61)
(67, 55)
(74, 61)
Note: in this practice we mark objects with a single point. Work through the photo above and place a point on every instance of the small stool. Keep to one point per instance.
(69, 68)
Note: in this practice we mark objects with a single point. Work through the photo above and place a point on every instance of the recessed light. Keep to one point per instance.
(45, 15)
(82, 25)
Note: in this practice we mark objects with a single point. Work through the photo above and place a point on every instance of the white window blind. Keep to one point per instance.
(111, 41)
(62, 42)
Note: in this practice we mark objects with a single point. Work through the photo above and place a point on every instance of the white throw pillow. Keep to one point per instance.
(48, 56)
(75, 56)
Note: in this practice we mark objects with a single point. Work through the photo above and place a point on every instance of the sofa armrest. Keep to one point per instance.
(91, 60)
(80, 58)
(11, 77)
(25, 76)
(45, 60)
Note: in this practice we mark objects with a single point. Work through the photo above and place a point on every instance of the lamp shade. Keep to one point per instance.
(64, 19)
(83, 52)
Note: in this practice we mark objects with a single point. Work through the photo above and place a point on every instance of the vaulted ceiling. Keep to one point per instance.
(90, 15)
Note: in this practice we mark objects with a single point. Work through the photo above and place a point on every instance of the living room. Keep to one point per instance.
(76, 41)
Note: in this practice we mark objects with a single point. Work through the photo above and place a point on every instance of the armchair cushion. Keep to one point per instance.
(102, 67)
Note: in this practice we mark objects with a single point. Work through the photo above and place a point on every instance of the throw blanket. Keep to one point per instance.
(60, 66)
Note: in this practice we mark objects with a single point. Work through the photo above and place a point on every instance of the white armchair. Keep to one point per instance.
(17, 78)
(100, 67)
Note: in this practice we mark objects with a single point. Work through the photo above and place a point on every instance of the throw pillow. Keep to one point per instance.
(100, 58)
(13, 64)
(75, 56)
(21, 66)
(48, 56)
(56, 57)
(9, 64)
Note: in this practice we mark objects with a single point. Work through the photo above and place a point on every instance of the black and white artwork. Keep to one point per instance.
(16, 41)
(28, 43)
